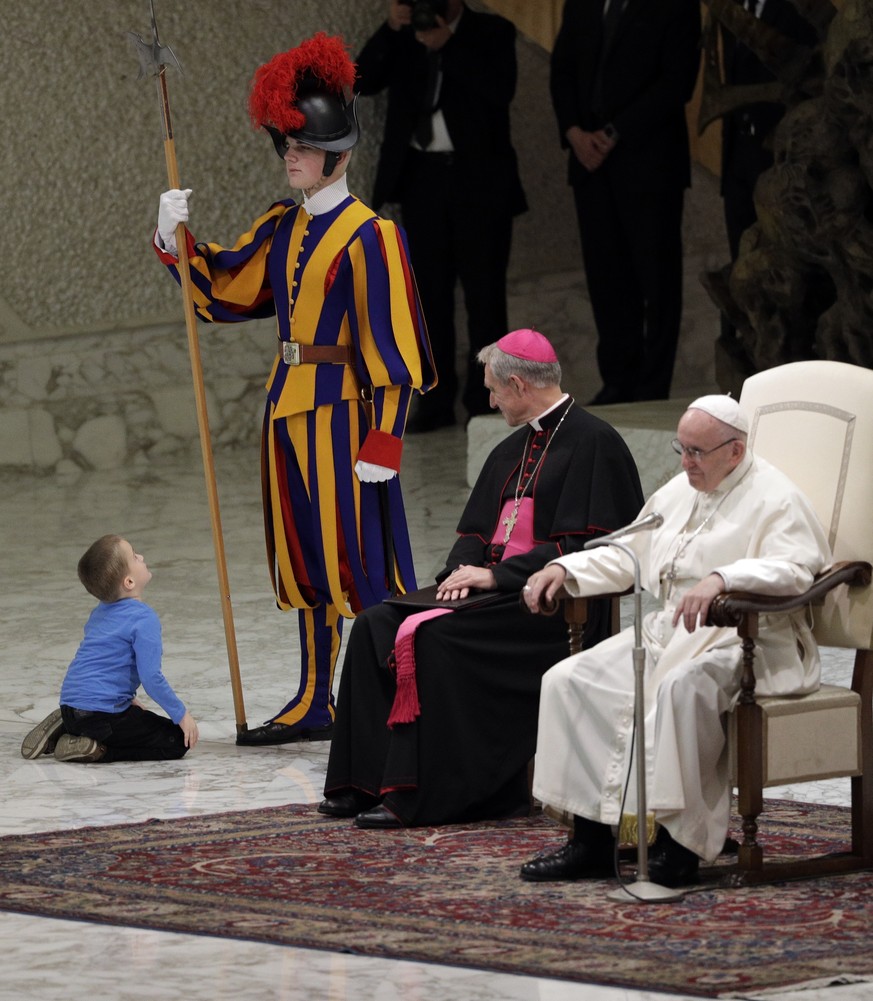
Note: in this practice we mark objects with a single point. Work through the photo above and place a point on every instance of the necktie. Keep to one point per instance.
(610, 23)
(424, 128)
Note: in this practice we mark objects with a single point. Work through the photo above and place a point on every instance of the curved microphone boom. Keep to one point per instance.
(653, 520)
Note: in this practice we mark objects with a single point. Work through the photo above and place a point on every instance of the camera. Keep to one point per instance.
(426, 12)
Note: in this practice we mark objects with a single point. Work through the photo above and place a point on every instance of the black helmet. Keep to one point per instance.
(302, 94)
(330, 123)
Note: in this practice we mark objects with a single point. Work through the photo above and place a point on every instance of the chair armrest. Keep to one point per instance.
(728, 609)
(576, 613)
(562, 598)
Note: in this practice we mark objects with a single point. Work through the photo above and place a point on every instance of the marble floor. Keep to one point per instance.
(45, 525)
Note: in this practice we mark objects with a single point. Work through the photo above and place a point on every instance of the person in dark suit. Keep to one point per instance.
(747, 131)
(746, 147)
(447, 159)
(621, 74)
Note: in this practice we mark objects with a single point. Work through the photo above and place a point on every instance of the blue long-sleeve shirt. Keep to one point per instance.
(120, 651)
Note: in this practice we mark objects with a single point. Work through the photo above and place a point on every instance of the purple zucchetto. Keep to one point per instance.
(528, 344)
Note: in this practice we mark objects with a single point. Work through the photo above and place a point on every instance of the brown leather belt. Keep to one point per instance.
(315, 354)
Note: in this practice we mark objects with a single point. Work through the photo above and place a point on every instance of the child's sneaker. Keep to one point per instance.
(70, 748)
(43, 737)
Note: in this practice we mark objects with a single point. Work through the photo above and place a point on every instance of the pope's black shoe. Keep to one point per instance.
(283, 733)
(380, 818)
(347, 804)
(672, 864)
(575, 860)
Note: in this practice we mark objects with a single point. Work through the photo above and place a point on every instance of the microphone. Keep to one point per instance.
(653, 520)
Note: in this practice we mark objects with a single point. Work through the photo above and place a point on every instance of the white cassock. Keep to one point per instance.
(761, 534)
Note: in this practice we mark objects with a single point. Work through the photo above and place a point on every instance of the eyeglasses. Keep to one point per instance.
(696, 454)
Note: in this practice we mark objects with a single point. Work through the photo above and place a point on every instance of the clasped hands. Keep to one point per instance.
(543, 587)
(590, 148)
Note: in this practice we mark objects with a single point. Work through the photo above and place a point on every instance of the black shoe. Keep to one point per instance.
(575, 860)
(347, 804)
(380, 818)
(283, 733)
(672, 864)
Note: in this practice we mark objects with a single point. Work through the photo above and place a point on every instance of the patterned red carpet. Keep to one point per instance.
(448, 895)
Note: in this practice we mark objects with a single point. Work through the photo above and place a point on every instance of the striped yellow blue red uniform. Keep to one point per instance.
(341, 278)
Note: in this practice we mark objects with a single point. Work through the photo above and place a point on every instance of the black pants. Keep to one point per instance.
(133, 735)
(457, 233)
(632, 248)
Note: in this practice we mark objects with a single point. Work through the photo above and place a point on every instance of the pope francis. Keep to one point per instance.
(731, 521)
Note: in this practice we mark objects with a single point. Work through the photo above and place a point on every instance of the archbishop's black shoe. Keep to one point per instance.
(672, 864)
(283, 733)
(575, 860)
(380, 818)
(347, 804)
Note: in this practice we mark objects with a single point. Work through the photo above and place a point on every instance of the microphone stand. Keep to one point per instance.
(642, 890)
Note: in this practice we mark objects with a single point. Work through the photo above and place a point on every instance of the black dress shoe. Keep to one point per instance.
(347, 804)
(380, 818)
(283, 733)
(575, 860)
(672, 864)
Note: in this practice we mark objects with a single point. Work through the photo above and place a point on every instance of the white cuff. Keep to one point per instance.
(368, 472)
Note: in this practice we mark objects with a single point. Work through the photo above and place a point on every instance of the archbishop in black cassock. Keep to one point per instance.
(478, 669)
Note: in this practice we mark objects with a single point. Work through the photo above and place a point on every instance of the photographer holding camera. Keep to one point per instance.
(447, 160)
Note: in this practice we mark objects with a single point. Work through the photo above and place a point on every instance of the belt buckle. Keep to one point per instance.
(291, 352)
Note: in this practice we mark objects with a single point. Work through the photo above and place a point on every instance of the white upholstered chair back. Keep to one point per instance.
(814, 421)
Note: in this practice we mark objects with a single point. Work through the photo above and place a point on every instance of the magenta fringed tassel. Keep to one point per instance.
(406, 707)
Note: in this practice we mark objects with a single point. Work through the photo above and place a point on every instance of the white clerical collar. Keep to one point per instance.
(535, 423)
(328, 197)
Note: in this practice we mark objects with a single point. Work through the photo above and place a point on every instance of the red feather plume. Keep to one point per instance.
(273, 95)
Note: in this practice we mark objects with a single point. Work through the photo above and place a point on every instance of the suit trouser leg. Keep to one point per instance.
(655, 221)
(426, 212)
(457, 231)
(483, 239)
(632, 245)
(616, 298)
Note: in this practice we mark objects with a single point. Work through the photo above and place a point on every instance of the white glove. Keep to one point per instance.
(173, 210)
(368, 472)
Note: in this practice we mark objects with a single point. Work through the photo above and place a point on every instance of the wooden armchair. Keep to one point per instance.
(813, 420)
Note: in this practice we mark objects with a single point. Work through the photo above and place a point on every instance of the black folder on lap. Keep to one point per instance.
(426, 598)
